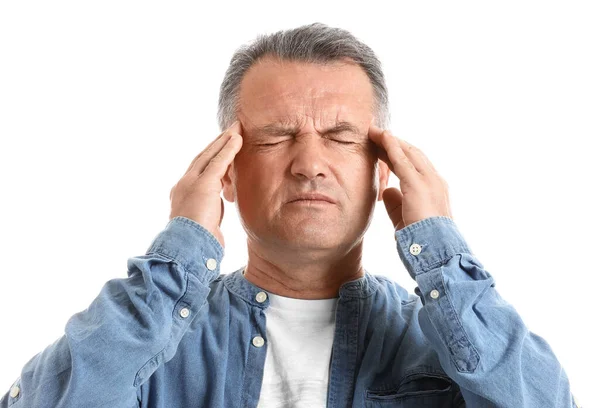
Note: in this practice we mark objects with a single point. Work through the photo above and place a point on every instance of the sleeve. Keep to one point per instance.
(133, 326)
(480, 339)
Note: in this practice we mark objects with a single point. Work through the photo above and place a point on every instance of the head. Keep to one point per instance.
(305, 99)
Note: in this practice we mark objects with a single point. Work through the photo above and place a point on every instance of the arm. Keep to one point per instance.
(132, 327)
(480, 339)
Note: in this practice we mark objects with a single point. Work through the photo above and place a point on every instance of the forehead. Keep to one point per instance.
(292, 93)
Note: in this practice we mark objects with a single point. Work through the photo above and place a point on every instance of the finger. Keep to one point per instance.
(399, 163)
(221, 139)
(417, 157)
(381, 154)
(217, 166)
(210, 145)
(392, 199)
(210, 152)
(431, 166)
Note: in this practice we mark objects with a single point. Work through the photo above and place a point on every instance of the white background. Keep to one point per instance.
(103, 105)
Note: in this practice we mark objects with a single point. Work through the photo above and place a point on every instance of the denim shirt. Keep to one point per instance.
(178, 333)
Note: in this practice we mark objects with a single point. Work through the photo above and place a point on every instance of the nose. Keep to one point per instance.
(309, 158)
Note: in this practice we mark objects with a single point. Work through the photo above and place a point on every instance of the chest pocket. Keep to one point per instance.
(423, 390)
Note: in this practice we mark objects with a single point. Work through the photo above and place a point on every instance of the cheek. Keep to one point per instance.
(255, 173)
(359, 177)
(369, 173)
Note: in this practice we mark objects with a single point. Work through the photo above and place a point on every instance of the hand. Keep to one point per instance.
(424, 192)
(197, 195)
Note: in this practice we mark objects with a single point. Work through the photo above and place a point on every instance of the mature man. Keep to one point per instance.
(304, 156)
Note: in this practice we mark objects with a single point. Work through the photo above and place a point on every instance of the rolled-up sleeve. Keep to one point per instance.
(133, 326)
(481, 341)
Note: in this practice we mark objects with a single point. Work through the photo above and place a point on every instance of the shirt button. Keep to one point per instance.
(258, 341)
(184, 312)
(211, 264)
(434, 294)
(261, 297)
(14, 391)
(415, 249)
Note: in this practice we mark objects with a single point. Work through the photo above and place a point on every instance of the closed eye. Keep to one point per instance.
(269, 144)
(337, 141)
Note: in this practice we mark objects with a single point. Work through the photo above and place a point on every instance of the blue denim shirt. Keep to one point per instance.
(178, 333)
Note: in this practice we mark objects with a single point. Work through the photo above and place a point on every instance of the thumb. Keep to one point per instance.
(392, 198)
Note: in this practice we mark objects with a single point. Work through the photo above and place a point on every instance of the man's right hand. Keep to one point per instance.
(197, 195)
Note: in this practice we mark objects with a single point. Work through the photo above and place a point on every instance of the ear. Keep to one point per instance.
(384, 176)
(228, 184)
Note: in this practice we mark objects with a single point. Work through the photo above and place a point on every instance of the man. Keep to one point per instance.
(305, 157)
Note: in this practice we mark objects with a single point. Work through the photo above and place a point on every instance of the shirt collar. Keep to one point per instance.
(243, 288)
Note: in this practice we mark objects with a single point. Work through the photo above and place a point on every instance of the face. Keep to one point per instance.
(305, 131)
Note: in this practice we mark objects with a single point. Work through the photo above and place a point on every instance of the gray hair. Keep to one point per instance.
(314, 43)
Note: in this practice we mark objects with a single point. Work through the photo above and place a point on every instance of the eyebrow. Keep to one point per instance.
(274, 129)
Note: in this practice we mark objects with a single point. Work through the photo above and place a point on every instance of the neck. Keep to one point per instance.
(300, 275)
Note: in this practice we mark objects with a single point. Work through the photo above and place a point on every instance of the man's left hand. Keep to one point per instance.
(423, 194)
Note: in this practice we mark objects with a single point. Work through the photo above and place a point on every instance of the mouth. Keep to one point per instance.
(313, 198)
(310, 202)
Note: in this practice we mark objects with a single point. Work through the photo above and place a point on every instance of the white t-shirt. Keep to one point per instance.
(299, 343)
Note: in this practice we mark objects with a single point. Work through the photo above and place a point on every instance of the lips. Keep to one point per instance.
(314, 197)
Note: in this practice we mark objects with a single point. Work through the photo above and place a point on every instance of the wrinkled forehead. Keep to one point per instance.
(285, 118)
(300, 94)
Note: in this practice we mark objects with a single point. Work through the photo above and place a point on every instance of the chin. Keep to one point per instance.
(311, 237)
